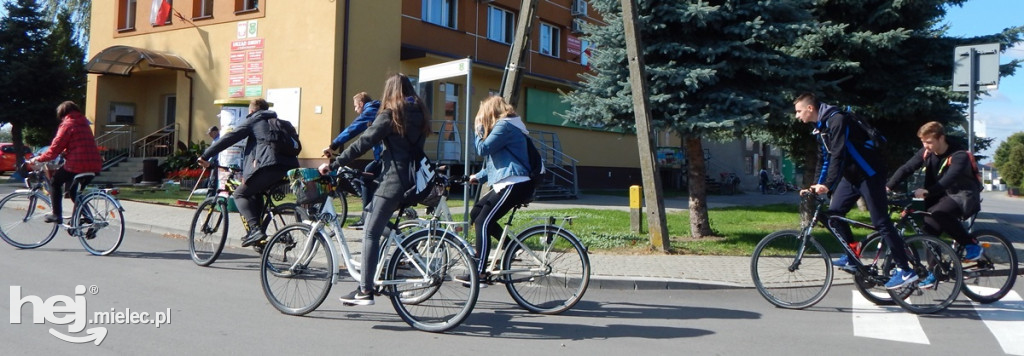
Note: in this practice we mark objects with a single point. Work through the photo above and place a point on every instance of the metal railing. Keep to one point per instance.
(560, 178)
(116, 144)
(157, 144)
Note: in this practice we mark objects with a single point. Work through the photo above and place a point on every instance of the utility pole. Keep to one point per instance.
(517, 54)
(638, 83)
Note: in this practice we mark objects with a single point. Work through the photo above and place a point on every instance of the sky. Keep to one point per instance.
(1001, 112)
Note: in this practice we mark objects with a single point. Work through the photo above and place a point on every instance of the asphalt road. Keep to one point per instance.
(222, 310)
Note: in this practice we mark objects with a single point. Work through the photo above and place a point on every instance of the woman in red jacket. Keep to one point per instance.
(75, 140)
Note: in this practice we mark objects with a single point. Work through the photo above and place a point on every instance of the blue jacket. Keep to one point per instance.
(358, 126)
(844, 151)
(505, 151)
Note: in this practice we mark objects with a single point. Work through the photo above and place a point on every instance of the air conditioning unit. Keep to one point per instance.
(577, 26)
(578, 8)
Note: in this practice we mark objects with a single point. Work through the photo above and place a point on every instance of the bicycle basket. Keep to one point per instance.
(435, 194)
(307, 185)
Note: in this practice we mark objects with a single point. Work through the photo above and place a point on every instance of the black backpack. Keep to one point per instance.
(283, 138)
(876, 140)
(537, 168)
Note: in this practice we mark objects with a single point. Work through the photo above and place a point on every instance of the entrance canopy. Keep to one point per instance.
(120, 60)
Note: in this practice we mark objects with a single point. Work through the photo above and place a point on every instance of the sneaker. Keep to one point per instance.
(358, 225)
(464, 279)
(928, 282)
(900, 278)
(53, 218)
(844, 263)
(972, 252)
(357, 297)
(254, 237)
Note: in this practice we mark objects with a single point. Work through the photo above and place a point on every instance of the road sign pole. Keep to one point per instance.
(972, 83)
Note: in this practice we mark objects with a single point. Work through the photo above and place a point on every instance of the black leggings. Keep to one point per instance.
(945, 216)
(248, 196)
(491, 207)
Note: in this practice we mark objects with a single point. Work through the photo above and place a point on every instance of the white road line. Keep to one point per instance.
(1003, 319)
(885, 322)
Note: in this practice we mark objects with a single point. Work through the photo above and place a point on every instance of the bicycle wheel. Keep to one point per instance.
(929, 255)
(296, 282)
(21, 219)
(420, 281)
(100, 224)
(875, 254)
(785, 280)
(546, 269)
(989, 278)
(209, 231)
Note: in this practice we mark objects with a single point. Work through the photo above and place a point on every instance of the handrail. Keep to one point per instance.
(116, 143)
(160, 143)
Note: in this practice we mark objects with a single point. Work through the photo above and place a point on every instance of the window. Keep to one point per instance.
(122, 113)
(440, 12)
(500, 25)
(247, 5)
(202, 9)
(550, 38)
(126, 14)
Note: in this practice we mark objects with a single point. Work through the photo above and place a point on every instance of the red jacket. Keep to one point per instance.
(75, 139)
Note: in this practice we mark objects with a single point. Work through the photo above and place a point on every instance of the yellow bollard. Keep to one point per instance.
(635, 210)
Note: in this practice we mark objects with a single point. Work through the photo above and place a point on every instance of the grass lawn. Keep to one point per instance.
(737, 229)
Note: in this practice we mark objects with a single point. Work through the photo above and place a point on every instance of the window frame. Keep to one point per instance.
(449, 7)
(202, 9)
(553, 40)
(245, 6)
(508, 19)
(127, 15)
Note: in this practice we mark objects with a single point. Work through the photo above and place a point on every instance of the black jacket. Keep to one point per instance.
(396, 176)
(257, 154)
(938, 180)
(843, 149)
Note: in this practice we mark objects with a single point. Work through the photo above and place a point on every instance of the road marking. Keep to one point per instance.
(1003, 319)
(885, 322)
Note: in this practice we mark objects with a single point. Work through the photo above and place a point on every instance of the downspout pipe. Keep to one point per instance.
(191, 101)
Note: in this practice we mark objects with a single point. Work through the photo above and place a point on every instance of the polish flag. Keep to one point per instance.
(160, 12)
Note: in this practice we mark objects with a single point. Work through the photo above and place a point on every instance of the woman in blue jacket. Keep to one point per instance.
(501, 139)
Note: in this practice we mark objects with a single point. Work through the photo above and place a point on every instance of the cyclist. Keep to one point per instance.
(949, 169)
(367, 109)
(501, 138)
(262, 166)
(75, 140)
(404, 121)
(851, 169)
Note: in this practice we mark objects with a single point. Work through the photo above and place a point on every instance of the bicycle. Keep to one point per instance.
(209, 229)
(545, 268)
(792, 270)
(97, 219)
(299, 266)
(986, 280)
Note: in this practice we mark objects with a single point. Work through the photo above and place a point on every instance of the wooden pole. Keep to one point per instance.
(638, 84)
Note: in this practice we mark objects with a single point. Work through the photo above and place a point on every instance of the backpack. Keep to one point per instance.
(283, 138)
(875, 140)
(423, 175)
(969, 200)
(537, 168)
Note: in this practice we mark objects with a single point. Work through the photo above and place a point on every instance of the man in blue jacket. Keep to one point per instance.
(367, 108)
(852, 168)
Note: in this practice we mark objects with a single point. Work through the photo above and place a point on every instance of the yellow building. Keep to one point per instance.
(157, 84)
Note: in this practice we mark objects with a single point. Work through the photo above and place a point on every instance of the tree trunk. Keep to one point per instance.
(700, 225)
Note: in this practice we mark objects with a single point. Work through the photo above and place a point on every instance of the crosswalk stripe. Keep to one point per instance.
(885, 322)
(1003, 319)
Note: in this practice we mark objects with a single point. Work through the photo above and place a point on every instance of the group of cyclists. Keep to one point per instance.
(852, 168)
(396, 127)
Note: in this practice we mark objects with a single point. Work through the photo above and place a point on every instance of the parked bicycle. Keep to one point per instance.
(545, 268)
(986, 280)
(209, 229)
(791, 269)
(97, 219)
(300, 265)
